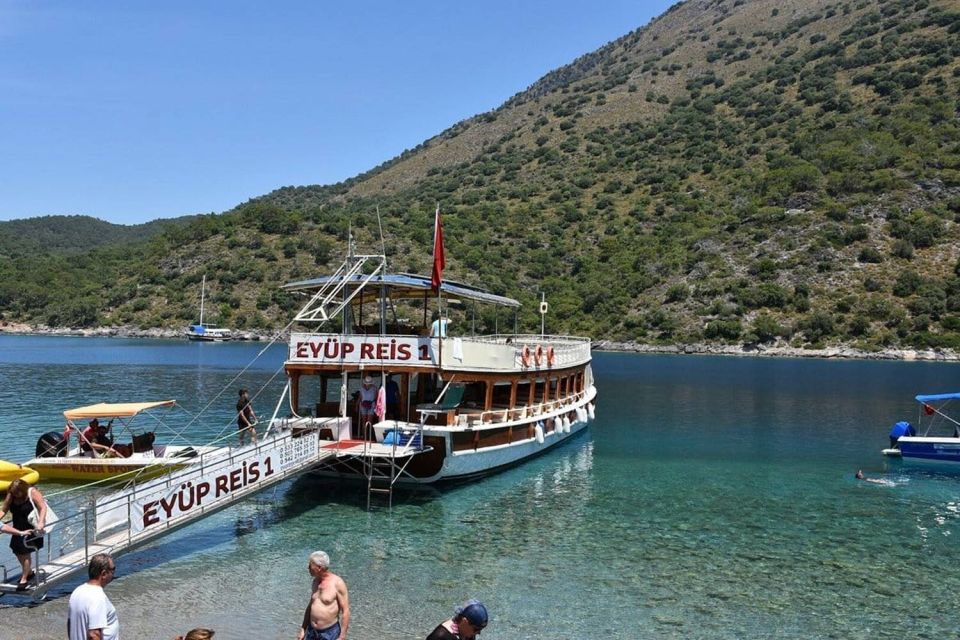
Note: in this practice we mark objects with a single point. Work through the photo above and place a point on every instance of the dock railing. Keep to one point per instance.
(142, 512)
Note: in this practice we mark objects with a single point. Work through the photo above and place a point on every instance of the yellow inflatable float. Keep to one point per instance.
(10, 471)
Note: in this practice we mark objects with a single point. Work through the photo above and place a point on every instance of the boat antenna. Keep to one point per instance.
(383, 244)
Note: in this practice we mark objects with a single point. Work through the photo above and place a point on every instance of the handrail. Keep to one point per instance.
(108, 524)
(545, 409)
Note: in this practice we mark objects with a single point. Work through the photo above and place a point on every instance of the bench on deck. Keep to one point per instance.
(448, 404)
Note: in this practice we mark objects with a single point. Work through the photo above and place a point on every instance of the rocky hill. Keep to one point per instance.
(734, 172)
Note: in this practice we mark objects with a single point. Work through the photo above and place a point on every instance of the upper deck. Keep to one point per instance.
(492, 354)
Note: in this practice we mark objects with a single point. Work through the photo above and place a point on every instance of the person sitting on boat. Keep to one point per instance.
(366, 402)
(438, 328)
(902, 428)
(96, 438)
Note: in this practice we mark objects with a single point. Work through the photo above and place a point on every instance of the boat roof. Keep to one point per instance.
(408, 285)
(938, 396)
(114, 410)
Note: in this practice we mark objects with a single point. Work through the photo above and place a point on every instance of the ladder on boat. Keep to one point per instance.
(318, 308)
(385, 464)
(134, 516)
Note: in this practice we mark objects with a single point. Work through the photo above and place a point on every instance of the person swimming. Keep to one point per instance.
(881, 481)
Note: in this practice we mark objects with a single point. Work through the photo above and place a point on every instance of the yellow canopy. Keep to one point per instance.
(108, 410)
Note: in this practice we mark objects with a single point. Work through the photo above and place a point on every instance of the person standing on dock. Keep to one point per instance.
(246, 418)
(328, 612)
(91, 615)
(22, 500)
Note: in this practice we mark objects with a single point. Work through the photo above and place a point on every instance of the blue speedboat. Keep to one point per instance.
(936, 438)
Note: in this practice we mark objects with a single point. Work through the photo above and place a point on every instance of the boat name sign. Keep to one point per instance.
(217, 482)
(400, 350)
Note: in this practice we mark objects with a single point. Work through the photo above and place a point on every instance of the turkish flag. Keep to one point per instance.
(927, 409)
(438, 262)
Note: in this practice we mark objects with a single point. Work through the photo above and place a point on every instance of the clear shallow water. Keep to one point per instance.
(712, 498)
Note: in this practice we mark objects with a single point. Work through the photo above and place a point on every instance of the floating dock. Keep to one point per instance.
(137, 515)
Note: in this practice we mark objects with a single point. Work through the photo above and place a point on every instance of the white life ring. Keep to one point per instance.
(538, 431)
(591, 411)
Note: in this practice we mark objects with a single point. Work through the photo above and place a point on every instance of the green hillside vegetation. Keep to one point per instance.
(73, 234)
(734, 172)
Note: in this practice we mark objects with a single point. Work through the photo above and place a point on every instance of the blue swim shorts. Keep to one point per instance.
(330, 633)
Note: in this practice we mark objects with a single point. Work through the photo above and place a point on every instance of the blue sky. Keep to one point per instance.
(131, 111)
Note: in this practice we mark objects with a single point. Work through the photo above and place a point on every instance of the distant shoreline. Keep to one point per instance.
(19, 328)
(779, 351)
(775, 351)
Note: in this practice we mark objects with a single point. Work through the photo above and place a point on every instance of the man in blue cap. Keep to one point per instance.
(466, 624)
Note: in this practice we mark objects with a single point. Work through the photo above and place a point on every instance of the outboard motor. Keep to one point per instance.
(900, 429)
(143, 442)
(51, 445)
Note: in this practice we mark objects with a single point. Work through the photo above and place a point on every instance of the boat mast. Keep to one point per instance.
(203, 287)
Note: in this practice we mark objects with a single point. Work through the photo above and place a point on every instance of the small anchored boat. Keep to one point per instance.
(936, 436)
(98, 453)
(205, 332)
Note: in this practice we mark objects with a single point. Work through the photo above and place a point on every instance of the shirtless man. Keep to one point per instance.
(328, 612)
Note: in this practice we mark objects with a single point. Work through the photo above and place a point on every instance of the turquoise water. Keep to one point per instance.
(712, 498)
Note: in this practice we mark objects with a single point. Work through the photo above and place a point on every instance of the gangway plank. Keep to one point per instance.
(139, 514)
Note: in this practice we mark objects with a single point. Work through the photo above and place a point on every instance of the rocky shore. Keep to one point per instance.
(117, 332)
(782, 351)
(776, 351)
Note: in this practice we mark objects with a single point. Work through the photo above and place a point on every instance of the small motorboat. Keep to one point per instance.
(936, 436)
(10, 471)
(98, 453)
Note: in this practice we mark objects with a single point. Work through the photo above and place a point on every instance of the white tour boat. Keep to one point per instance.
(449, 406)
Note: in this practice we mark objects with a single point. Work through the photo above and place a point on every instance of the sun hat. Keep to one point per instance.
(474, 611)
(367, 380)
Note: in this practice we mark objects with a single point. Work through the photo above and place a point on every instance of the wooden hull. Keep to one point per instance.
(457, 455)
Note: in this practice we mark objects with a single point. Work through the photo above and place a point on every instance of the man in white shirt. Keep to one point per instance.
(91, 615)
(438, 328)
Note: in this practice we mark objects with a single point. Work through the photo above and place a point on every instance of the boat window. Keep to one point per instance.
(538, 391)
(333, 389)
(523, 393)
(501, 394)
(310, 391)
(553, 389)
(474, 395)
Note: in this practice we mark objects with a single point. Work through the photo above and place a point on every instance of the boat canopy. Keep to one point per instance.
(408, 285)
(108, 410)
(938, 397)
